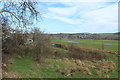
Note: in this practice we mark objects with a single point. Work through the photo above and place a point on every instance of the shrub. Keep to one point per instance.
(41, 47)
(15, 44)
(85, 54)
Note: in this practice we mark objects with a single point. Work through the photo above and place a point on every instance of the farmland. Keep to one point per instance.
(108, 44)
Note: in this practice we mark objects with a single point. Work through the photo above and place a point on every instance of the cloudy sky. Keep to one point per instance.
(77, 17)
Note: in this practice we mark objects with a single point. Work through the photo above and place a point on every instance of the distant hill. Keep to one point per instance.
(118, 33)
(98, 36)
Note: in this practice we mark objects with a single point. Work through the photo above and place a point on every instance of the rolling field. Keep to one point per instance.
(108, 44)
(26, 67)
(65, 67)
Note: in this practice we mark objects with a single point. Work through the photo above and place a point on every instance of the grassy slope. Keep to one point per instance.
(28, 68)
(92, 43)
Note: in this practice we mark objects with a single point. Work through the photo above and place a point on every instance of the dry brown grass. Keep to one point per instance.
(83, 53)
(81, 66)
(10, 75)
(105, 76)
(106, 66)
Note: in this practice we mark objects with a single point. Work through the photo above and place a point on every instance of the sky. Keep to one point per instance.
(79, 17)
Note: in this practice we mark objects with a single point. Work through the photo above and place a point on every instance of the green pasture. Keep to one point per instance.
(26, 67)
(108, 44)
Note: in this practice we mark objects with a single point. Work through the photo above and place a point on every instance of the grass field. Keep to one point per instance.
(91, 43)
(26, 67)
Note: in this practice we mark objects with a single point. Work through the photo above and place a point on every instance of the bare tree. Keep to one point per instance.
(19, 13)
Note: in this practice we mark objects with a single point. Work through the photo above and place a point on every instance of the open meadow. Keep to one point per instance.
(66, 63)
(55, 39)
(108, 44)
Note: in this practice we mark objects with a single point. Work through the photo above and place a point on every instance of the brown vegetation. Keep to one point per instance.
(80, 66)
(17, 44)
(81, 53)
(86, 54)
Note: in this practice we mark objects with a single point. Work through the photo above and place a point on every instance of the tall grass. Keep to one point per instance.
(86, 54)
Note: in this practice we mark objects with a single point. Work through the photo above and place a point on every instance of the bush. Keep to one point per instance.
(13, 42)
(85, 54)
(41, 47)
(16, 44)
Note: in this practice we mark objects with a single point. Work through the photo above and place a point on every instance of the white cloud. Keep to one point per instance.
(75, 0)
(102, 20)
(62, 11)
(92, 17)
(79, 8)
(70, 21)
(64, 14)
